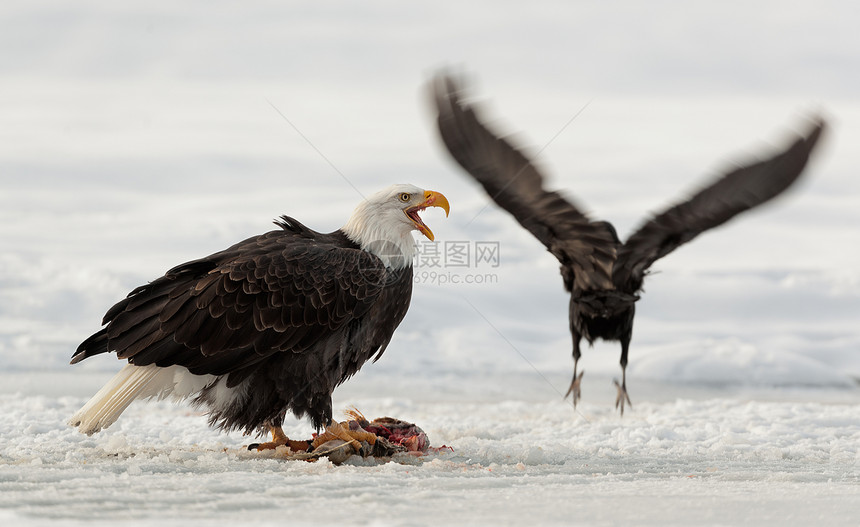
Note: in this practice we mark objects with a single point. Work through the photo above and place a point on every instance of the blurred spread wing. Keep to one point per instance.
(515, 184)
(739, 190)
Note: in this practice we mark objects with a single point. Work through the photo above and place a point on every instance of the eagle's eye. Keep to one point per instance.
(405, 196)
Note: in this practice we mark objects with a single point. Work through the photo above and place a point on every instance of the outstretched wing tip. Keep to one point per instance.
(742, 188)
(817, 128)
(446, 88)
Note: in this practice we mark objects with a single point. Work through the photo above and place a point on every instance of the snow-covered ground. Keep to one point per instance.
(695, 456)
(136, 136)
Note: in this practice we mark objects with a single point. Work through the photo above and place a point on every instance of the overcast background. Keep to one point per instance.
(138, 135)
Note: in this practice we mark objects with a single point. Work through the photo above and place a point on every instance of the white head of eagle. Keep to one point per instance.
(382, 224)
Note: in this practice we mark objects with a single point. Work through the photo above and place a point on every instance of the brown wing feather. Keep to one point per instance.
(515, 184)
(279, 292)
(738, 190)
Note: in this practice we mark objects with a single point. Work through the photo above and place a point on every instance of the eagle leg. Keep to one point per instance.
(622, 388)
(622, 396)
(279, 438)
(574, 385)
(354, 436)
(577, 379)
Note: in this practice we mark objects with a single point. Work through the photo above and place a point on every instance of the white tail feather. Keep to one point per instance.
(135, 382)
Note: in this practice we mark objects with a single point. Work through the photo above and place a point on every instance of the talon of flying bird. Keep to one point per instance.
(621, 397)
(279, 438)
(574, 387)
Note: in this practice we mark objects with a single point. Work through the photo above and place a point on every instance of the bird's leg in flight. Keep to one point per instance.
(577, 379)
(622, 388)
(279, 438)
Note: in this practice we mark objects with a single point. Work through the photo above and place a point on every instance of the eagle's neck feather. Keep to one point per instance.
(390, 241)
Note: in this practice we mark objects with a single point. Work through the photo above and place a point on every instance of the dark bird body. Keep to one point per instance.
(603, 275)
(272, 324)
(285, 312)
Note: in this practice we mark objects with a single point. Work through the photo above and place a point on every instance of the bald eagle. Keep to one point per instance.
(603, 276)
(269, 325)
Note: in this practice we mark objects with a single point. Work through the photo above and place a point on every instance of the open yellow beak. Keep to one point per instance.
(431, 199)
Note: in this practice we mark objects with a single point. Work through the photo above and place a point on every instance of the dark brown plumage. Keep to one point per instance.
(603, 275)
(283, 310)
(272, 324)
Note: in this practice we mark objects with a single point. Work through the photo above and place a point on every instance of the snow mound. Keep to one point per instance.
(734, 362)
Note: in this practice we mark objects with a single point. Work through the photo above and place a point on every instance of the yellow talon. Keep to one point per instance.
(279, 438)
(343, 432)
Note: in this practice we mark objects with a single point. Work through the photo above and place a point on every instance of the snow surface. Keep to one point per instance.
(137, 136)
(708, 458)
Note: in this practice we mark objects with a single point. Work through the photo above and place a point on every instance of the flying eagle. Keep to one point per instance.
(603, 276)
(274, 323)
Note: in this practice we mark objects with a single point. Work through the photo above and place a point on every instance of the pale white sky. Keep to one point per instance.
(136, 136)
